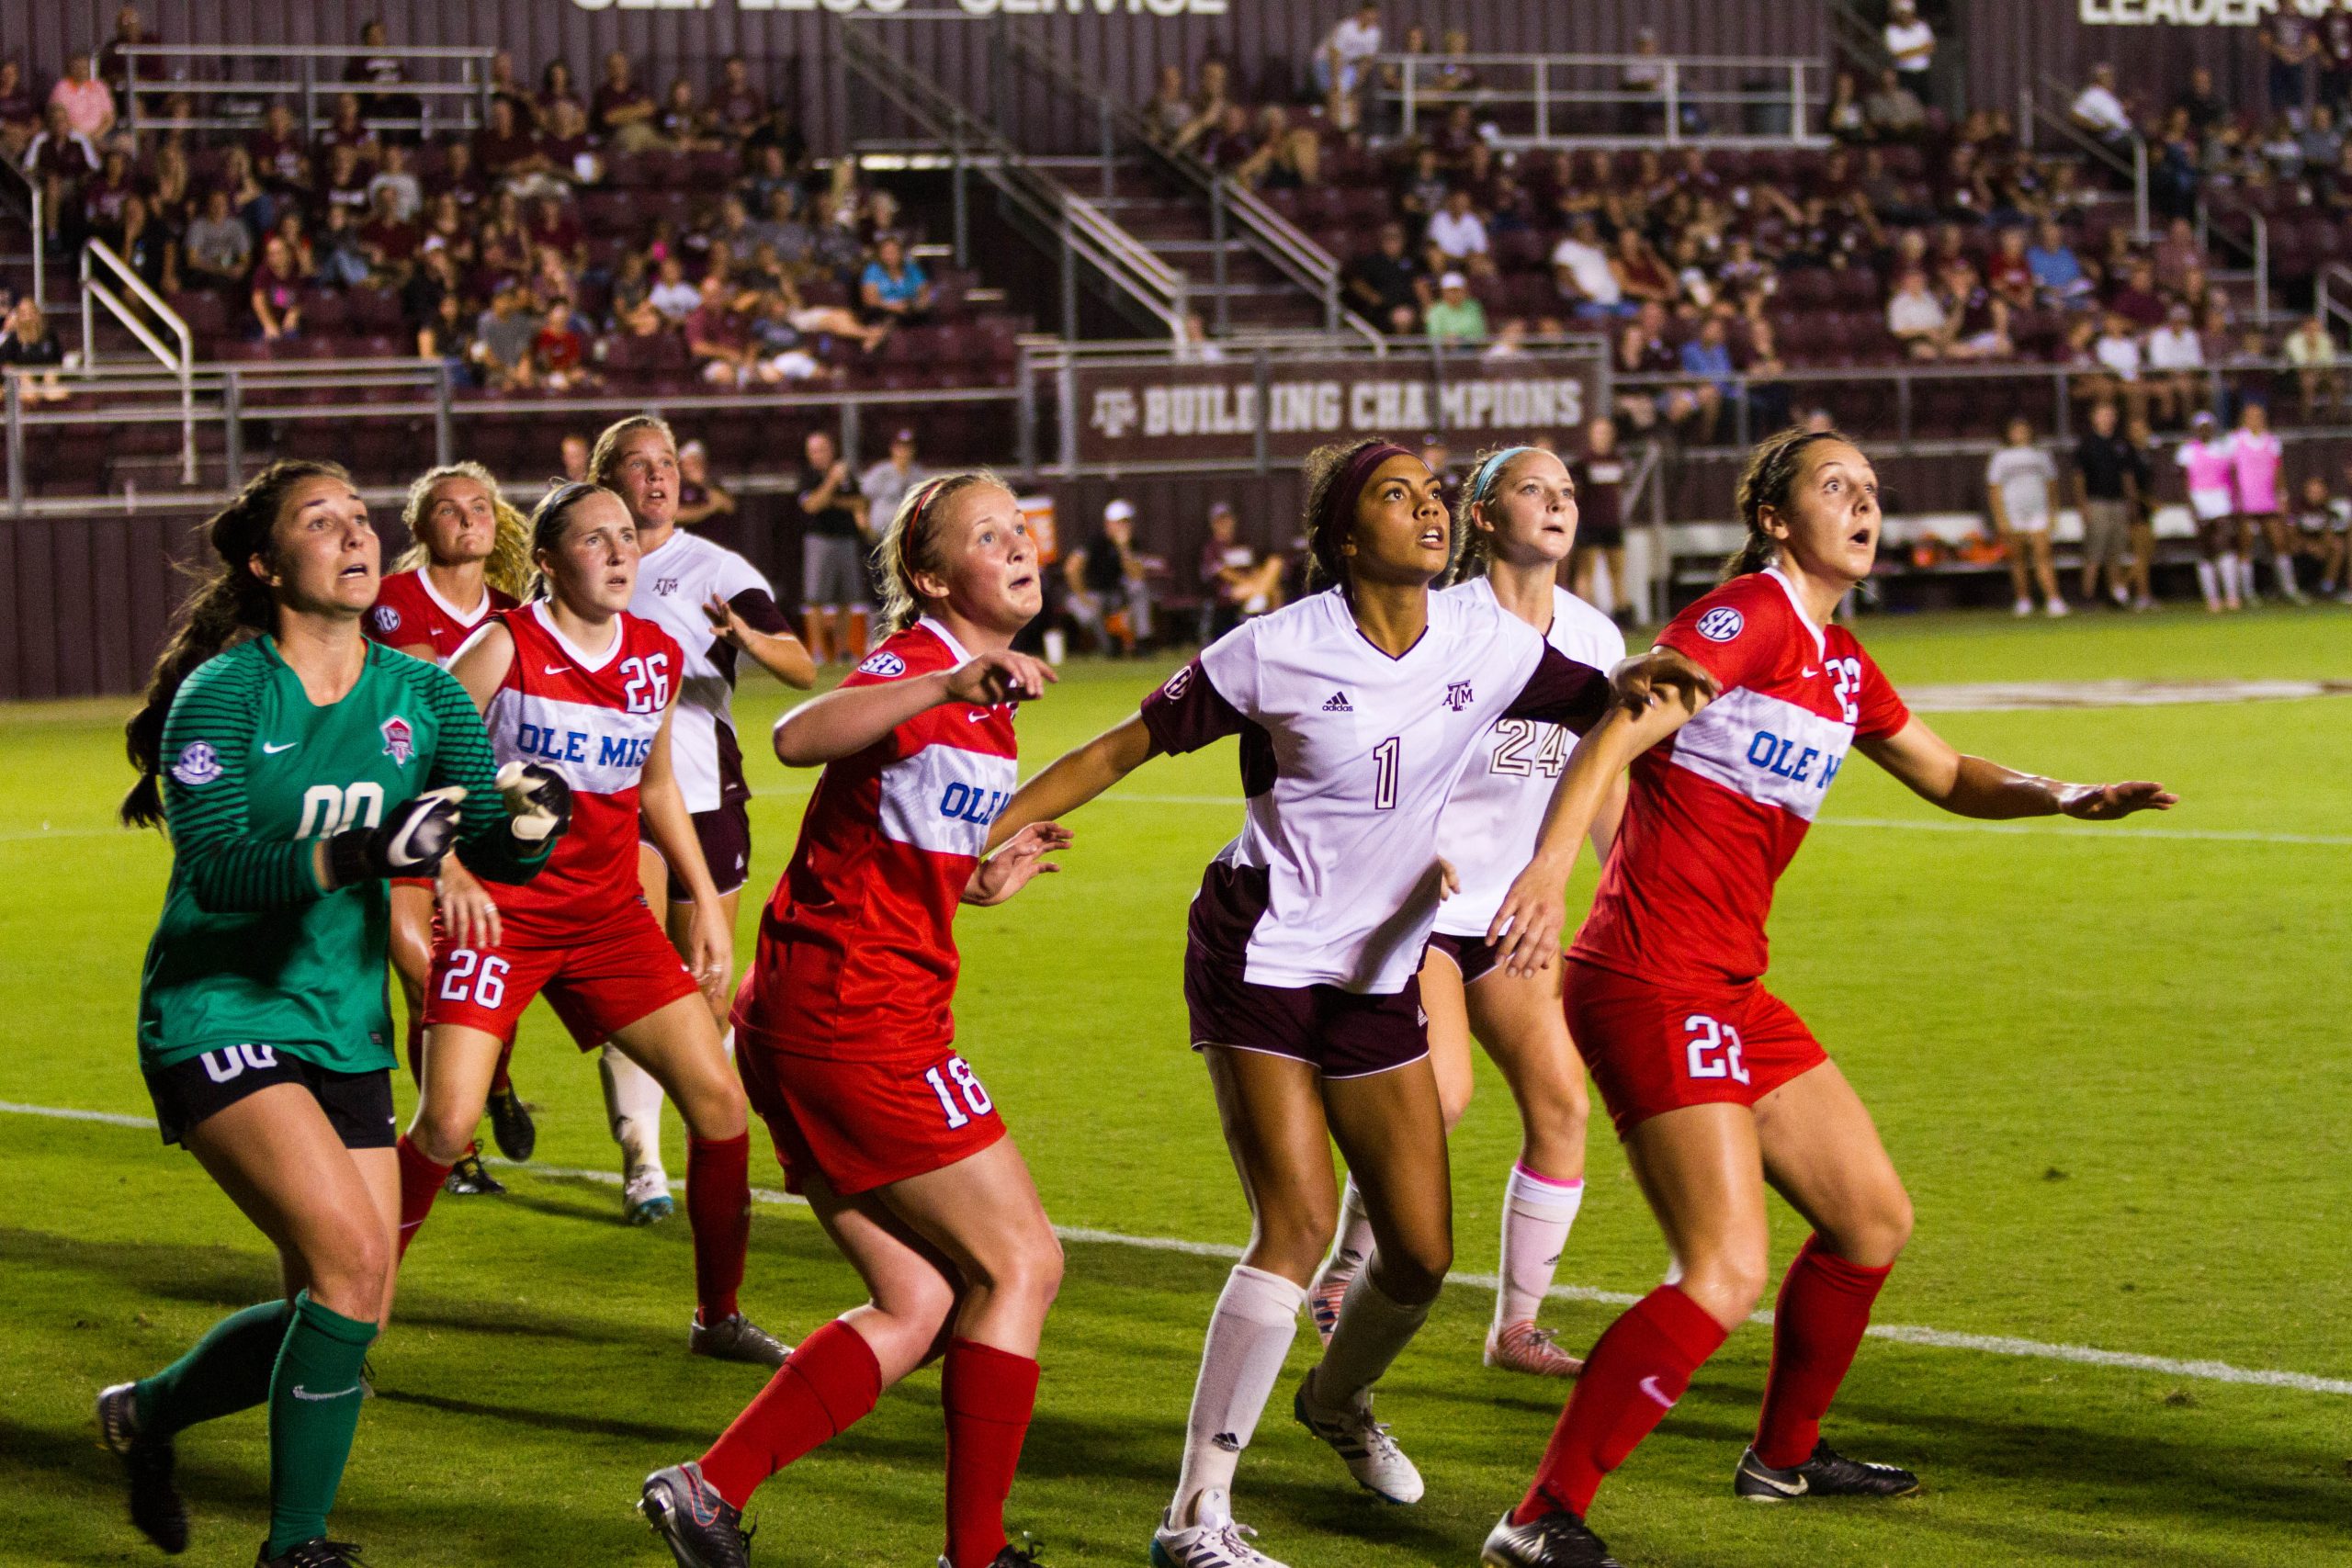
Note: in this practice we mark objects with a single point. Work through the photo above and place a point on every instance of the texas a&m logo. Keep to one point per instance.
(400, 742)
(1458, 696)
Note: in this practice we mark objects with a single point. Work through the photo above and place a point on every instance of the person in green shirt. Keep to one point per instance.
(1457, 316)
(296, 766)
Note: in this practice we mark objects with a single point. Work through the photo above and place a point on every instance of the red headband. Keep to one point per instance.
(1340, 500)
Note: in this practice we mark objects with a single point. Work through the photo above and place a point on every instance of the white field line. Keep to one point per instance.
(1904, 1334)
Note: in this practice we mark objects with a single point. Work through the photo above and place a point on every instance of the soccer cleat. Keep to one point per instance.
(467, 1178)
(155, 1505)
(1370, 1455)
(2057, 607)
(1556, 1540)
(1828, 1474)
(644, 1196)
(701, 1528)
(737, 1339)
(1028, 1554)
(2022, 608)
(511, 1124)
(1214, 1539)
(316, 1553)
(1523, 1348)
(1323, 1301)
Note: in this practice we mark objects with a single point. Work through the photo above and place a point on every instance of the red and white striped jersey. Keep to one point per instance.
(860, 935)
(592, 718)
(1717, 809)
(410, 610)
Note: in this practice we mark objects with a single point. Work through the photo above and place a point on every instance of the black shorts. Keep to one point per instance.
(726, 838)
(358, 1105)
(1472, 956)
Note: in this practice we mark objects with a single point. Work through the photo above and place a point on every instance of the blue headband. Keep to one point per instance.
(1489, 472)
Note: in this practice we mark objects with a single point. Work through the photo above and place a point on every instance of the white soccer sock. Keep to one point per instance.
(1351, 1244)
(2233, 574)
(1256, 1318)
(1537, 1212)
(2285, 565)
(2209, 582)
(632, 1108)
(1373, 1331)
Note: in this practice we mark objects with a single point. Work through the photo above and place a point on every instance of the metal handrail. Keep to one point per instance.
(2329, 305)
(2255, 246)
(40, 236)
(1674, 93)
(96, 291)
(473, 88)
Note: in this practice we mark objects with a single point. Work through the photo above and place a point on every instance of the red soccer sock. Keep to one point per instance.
(1816, 1325)
(500, 1083)
(1641, 1365)
(719, 1208)
(421, 1178)
(822, 1389)
(988, 1395)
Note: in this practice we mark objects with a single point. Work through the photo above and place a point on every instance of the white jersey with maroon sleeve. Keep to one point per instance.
(674, 584)
(1489, 832)
(592, 718)
(409, 610)
(1717, 809)
(857, 948)
(1348, 757)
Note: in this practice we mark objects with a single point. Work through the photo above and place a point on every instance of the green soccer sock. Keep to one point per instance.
(225, 1372)
(313, 1412)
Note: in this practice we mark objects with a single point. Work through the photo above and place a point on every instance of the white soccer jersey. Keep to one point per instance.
(674, 584)
(1489, 832)
(1348, 758)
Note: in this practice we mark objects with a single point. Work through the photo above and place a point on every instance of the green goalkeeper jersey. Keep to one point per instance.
(249, 950)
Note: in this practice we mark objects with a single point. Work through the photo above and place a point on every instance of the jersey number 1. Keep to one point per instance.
(1385, 758)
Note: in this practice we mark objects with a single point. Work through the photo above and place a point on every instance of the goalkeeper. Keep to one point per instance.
(296, 766)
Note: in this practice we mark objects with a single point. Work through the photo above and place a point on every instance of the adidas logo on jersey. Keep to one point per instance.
(1339, 704)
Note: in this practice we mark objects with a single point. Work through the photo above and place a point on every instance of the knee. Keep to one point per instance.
(1876, 1235)
(716, 1109)
(1728, 1281)
(442, 1131)
(348, 1274)
(1290, 1243)
(1029, 1271)
(1414, 1272)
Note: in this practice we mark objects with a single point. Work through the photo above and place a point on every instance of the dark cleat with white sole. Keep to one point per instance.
(1828, 1474)
(1556, 1540)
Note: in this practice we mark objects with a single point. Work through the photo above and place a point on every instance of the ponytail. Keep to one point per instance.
(230, 605)
(1771, 476)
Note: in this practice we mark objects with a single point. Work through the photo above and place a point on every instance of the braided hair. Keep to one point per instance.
(1771, 476)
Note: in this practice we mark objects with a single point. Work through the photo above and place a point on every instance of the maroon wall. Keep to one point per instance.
(2012, 44)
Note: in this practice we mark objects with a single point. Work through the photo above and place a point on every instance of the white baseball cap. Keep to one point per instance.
(1119, 512)
(1453, 281)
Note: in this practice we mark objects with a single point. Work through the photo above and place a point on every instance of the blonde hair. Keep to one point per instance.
(910, 543)
(605, 456)
(509, 569)
(1473, 547)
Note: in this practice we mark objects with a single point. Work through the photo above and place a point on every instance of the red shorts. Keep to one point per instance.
(1654, 1048)
(598, 985)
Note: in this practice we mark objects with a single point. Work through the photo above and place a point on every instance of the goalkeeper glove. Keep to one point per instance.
(413, 837)
(538, 803)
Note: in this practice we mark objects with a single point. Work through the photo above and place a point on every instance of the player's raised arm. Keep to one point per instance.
(1935, 770)
(751, 624)
(848, 719)
(1075, 777)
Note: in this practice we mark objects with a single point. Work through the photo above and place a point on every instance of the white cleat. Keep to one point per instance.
(1523, 1348)
(644, 1196)
(1213, 1541)
(2057, 607)
(1370, 1455)
(2023, 607)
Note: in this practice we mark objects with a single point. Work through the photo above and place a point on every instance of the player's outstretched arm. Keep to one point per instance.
(1013, 867)
(778, 651)
(848, 719)
(1075, 778)
(1932, 769)
(1526, 929)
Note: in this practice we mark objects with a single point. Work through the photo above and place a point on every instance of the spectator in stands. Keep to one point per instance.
(1844, 119)
(61, 161)
(621, 112)
(346, 184)
(103, 196)
(780, 130)
(2136, 298)
(1596, 566)
(20, 115)
(346, 128)
(1708, 356)
(556, 90)
(572, 457)
(274, 294)
(2323, 143)
(1641, 84)
(560, 353)
(339, 260)
(1642, 277)
(1895, 112)
(1234, 584)
(571, 156)
(390, 241)
(721, 339)
(834, 586)
(1109, 584)
(1193, 344)
(1287, 157)
(1511, 342)
(1911, 45)
(2311, 348)
(1455, 316)
(1583, 273)
(2202, 103)
(1916, 317)
(394, 178)
(2021, 485)
(1388, 287)
(2288, 45)
(894, 288)
(2099, 111)
(1978, 319)
(681, 122)
(1210, 102)
(2008, 271)
(779, 346)
(1343, 57)
(671, 295)
(1769, 398)
(737, 106)
(886, 483)
(2057, 270)
(511, 158)
(381, 71)
(218, 247)
(88, 103)
(444, 339)
(1170, 109)
(2118, 351)
(30, 345)
(1229, 143)
(2109, 477)
(2175, 365)
(114, 66)
(504, 336)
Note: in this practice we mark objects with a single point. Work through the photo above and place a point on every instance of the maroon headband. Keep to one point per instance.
(1340, 500)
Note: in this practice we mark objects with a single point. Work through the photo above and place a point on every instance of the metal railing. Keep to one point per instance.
(2332, 276)
(1774, 100)
(102, 268)
(40, 234)
(293, 70)
(2255, 245)
(1080, 230)
(1232, 206)
(2130, 166)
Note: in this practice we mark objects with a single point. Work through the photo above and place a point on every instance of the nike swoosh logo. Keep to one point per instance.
(1649, 1385)
(1796, 1488)
(555, 670)
(1809, 671)
(977, 714)
(267, 750)
(301, 1393)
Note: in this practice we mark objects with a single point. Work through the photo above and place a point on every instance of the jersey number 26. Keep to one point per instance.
(648, 683)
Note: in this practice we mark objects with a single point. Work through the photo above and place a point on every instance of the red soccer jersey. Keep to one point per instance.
(1717, 810)
(592, 718)
(858, 949)
(409, 611)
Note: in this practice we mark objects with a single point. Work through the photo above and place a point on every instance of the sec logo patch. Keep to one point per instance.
(883, 664)
(385, 619)
(199, 764)
(1721, 623)
(1177, 682)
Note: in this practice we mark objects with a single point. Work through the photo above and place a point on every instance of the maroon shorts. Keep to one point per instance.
(1472, 956)
(597, 985)
(1339, 1034)
(1654, 1048)
(726, 838)
(862, 1121)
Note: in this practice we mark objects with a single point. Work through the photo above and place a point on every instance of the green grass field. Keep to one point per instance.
(2111, 1064)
